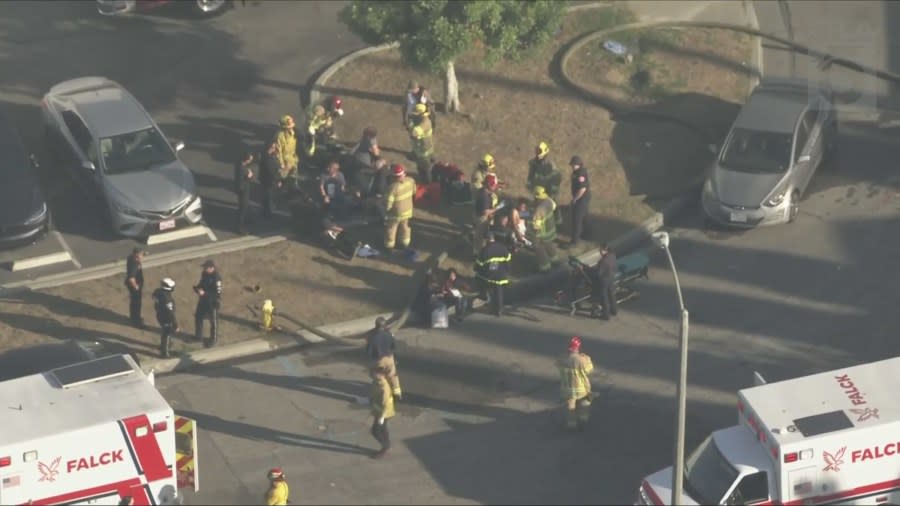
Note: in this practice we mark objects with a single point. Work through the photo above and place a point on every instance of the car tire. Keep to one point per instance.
(208, 8)
(794, 206)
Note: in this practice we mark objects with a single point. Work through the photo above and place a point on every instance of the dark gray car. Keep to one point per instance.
(781, 136)
(115, 149)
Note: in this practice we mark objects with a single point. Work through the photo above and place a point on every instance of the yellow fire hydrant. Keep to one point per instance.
(268, 315)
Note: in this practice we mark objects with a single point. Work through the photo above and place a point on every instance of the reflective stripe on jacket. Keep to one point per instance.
(574, 372)
(423, 141)
(493, 263)
(400, 199)
(286, 148)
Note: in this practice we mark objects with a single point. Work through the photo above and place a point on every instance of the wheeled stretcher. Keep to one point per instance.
(579, 291)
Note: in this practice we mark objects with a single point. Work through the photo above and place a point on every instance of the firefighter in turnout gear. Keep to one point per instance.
(543, 172)
(486, 206)
(421, 134)
(284, 149)
(165, 314)
(575, 384)
(399, 209)
(209, 292)
(544, 225)
(492, 271)
(380, 346)
(278, 492)
(486, 166)
(316, 124)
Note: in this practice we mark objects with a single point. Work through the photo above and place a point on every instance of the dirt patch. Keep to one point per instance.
(511, 106)
(663, 62)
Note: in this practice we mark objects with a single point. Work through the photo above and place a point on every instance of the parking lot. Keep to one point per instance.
(211, 84)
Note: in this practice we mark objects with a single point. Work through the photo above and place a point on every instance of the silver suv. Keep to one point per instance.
(115, 149)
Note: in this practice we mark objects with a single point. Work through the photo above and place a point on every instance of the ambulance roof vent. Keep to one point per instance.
(94, 370)
(823, 423)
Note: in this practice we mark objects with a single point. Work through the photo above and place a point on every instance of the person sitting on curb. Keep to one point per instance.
(451, 293)
(337, 238)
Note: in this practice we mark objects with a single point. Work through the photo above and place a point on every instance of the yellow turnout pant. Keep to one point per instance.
(391, 367)
(390, 233)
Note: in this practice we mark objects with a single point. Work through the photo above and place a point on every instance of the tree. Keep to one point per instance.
(432, 34)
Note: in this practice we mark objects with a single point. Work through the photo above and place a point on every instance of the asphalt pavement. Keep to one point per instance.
(862, 31)
(219, 85)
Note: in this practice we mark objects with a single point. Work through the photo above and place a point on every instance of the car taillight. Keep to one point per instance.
(5, 461)
(159, 426)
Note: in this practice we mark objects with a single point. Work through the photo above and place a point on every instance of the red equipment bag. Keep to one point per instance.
(428, 195)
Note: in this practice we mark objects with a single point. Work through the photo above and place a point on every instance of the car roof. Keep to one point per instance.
(106, 107)
(773, 109)
(12, 151)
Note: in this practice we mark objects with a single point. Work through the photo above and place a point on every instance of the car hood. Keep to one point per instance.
(159, 189)
(746, 189)
(20, 199)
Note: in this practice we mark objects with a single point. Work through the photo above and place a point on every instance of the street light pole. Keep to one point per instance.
(662, 239)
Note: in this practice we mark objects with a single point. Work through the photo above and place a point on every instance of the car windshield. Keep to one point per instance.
(135, 151)
(758, 151)
(708, 476)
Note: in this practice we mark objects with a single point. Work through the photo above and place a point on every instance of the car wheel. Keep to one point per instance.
(794, 206)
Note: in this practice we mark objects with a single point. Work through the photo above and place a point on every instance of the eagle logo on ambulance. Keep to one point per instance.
(865, 414)
(833, 462)
(49, 473)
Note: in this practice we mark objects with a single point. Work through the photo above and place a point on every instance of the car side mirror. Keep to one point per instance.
(179, 146)
(89, 166)
(802, 159)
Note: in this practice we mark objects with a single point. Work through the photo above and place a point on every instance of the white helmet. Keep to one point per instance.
(167, 284)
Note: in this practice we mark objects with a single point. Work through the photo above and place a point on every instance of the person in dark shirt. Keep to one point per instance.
(603, 276)
(243, 177)
(380, 348)
(492, 271)
(165, 314)
(209, 293)
(367, 152)
(581, 199)
(338, 238)
(134, 281)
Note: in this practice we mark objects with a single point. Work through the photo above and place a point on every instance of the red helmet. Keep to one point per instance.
(398, 170)
(575, 344)
(336, 104)
(491, 180)
(275, 473)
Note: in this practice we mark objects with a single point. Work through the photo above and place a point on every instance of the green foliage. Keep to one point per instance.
(432, 33)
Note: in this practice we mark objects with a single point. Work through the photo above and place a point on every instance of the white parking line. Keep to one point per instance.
(175, 235)
(39, 261)
(62, 242)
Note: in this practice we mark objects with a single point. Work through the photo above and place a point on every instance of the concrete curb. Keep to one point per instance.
(118, 267)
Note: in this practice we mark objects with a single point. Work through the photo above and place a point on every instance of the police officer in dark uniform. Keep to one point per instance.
(134, 281)
(243, 177)
(165, 314)
(581, 198)
(603, 276)
(492, 271)
(209, 290)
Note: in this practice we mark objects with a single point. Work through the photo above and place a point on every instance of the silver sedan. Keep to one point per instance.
(778, 141)
(117, 151)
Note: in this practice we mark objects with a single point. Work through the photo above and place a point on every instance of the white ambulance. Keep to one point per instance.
(832, 437)
(94, 432)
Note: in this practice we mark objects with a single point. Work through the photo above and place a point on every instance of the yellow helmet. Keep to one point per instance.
(542, 149)
(540, 193)
(286, 121)
(421, 109)
(318, 110)
(487, 161)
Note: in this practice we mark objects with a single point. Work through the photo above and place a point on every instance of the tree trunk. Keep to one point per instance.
(451, 90)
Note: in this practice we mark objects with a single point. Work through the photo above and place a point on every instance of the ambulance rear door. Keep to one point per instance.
(186, 453)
